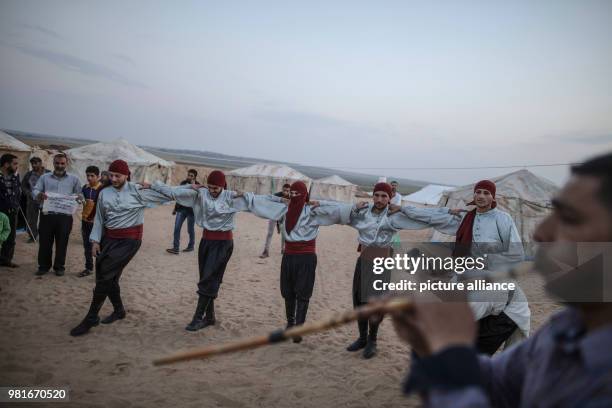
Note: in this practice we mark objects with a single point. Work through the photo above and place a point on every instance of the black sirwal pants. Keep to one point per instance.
(298, 276)
(213, 256)
(8, 246)
(493, 331)
(363, 289)
(114, 256)
(53, 228)
(86, 228)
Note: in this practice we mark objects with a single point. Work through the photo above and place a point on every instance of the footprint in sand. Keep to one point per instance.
(122, 369)
(93, 363)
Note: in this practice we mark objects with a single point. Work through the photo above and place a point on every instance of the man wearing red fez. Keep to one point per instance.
(486, 231)
(377, 226)
(214, 208)
(116, 237)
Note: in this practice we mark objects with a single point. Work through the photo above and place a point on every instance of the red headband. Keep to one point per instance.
(385, 187)
(216, 178)
(119, 166)
(486, 185)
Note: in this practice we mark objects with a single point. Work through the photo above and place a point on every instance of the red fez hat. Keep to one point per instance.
(486, 185)
(119, 166)
(216, 178)
(385, 187)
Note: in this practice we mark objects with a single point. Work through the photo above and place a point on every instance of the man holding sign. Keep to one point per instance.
(59, 193)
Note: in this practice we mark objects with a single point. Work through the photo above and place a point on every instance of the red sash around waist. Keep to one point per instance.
(300, 247)
(134, 232)
(217, 235)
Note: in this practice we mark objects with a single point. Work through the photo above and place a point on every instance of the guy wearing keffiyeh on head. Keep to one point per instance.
(486, 231)
(214, 209)
(116, 237)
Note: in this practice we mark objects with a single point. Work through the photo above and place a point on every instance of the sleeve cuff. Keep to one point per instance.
(452, 368)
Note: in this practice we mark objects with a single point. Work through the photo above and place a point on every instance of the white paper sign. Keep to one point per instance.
(60, 203)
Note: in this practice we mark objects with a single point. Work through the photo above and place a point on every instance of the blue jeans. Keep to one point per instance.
(178, 225)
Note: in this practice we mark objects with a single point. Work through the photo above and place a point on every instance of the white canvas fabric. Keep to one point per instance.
(428, 195)
(263, 178)
(524, 195)
(144, 166)
(333, 188)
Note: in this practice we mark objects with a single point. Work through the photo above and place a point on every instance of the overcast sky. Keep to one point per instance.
(352, 84)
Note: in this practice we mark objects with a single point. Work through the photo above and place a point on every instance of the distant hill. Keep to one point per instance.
(219, 160)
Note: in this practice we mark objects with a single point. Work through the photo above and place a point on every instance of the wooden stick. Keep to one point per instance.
(363, 312)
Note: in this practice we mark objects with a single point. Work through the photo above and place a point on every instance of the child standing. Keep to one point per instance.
(90, 194)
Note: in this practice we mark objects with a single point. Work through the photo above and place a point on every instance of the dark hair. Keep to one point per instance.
(286, 185)
(600, 167)
(35, 160)
(59, 156)
(7, 158)
(193, 171)
(92, 169)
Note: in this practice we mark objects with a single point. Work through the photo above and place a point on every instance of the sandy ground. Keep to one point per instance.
(111, 366)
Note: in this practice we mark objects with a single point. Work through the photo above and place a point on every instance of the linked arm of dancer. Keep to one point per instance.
(394, 208)
(195, 186)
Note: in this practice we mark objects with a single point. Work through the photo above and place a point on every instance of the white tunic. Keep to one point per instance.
(494, 234)
(307, 226)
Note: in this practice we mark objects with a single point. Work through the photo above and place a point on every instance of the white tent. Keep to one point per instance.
(524, 195)
(428, 195)
(264, 178)
(8, 144)
(144, 166)
(333, 188)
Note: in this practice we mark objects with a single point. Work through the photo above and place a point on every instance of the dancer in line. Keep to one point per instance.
(116, 237)
(503, 317)
(214, 208)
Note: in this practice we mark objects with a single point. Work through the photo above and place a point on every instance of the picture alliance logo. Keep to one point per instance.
(411, 264)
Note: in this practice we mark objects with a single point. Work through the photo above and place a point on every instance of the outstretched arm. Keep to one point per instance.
(260, 205)
(330, 213)
(443, 219)
(184, 195)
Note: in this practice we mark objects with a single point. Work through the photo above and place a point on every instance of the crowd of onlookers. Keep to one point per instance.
(21, 203)
(51, 230)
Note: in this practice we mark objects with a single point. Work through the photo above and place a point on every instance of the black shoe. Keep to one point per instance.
(41, 272)
(188, 249)
(85, 272)
(370, 349)
(264, 254)
(357, 345)
(84, 327)
(59, 272)
(197, 322)
(172, 251)
(113, 317)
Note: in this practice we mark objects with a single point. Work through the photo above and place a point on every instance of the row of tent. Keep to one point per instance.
(258, 178)
(524, 195)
